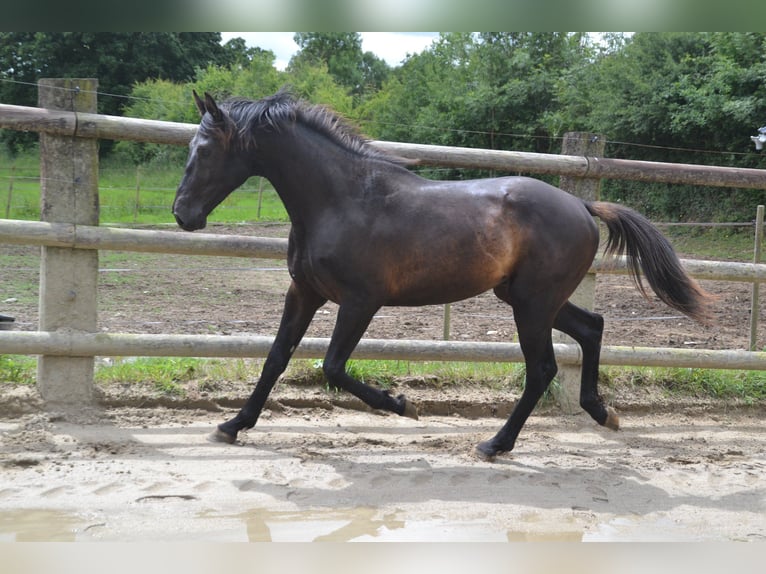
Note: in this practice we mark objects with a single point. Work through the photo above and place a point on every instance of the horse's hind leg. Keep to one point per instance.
(537, 347)
(587, 328)
(351, 324)
(301, 303)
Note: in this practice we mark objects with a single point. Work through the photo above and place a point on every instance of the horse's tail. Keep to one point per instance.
(647, 250)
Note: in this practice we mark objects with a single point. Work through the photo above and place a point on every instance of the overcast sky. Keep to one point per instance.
(392, 47)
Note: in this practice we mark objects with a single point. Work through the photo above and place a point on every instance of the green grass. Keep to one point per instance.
(172, 376)
(746, 386)
(436, 374)
(169, 375)
(18, 369)
(727, 244)
(133, 195)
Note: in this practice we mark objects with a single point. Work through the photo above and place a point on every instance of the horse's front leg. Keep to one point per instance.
(301, 303)
(351, 324)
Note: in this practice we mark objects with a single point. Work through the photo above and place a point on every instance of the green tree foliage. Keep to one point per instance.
(253, 75)
(668, 91)
(486, 90)
(677, 97)
(674, 97)
(158, 99)
(362, 73)
(117, 59)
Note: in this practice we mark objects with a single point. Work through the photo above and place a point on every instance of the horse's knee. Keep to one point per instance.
(549, 371)
(595, 325)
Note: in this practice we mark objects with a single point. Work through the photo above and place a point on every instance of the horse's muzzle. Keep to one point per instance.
(190, 224)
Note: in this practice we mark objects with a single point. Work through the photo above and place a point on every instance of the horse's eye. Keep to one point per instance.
(203, 152)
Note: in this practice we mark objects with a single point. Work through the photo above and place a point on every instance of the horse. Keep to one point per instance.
(367, 232)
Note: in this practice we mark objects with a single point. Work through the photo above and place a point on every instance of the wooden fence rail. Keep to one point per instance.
(67, 348)
(88, 125)
(71, 344)
(20, 232)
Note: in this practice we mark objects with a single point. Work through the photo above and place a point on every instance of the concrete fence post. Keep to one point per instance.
(68, 277)
(589, 145)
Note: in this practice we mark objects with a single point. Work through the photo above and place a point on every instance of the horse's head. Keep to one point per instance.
(216, 166)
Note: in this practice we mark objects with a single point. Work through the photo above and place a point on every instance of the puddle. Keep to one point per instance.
(329, 525)
(363, 524)
(563, 536)
(36, 525)
(625, 529)
(366, 525)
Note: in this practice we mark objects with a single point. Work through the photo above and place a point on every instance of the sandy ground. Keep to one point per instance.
(340, 474)
(319, 468)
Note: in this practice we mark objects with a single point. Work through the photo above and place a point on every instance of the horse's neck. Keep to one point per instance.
(309, 172)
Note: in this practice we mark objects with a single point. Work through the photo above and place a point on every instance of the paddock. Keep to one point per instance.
(68, 337)
(112, 470)
(338, 474)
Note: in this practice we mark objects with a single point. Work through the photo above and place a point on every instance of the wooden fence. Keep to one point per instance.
(70, 238)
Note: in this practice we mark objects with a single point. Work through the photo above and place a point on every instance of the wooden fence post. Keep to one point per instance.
(567, 392)
(68, 277)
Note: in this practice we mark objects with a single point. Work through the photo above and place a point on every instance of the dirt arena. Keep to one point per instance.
(340, 474)
(319, 467)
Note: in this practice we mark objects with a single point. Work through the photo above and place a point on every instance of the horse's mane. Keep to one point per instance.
(275, 112)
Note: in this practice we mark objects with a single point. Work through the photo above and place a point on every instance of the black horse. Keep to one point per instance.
(367, 232)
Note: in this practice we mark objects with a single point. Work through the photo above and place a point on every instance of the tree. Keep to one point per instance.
(118, 60)
(678, 97)
(487, 90)
(237, 53)
(251, 75)
(360, 72)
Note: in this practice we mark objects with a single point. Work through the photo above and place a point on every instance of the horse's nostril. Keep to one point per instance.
(179, 221)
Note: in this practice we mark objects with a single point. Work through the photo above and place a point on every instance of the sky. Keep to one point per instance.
(393, 47)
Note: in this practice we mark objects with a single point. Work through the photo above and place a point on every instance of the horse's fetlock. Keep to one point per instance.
(332, 372)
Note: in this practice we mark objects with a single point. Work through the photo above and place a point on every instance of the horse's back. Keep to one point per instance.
(471, 236)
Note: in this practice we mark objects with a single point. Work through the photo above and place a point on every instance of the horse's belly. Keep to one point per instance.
(438, 289)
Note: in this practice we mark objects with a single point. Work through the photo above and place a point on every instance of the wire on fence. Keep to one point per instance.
(494, 134)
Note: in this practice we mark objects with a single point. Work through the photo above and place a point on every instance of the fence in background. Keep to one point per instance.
(68, 338)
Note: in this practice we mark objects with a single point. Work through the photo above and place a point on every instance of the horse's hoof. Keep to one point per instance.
(486, 452)
(612, 420)
(220, 436)
(410, 410)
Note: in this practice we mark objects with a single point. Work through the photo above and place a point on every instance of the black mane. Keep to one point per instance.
(274, 112)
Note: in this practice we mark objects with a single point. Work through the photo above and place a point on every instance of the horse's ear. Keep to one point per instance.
(199, 102)
(212, 108)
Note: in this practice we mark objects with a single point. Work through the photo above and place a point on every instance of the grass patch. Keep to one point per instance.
(169, 375)
(18, 369)
(726, 244)
(435, 374)
(746, 386)
(130, 194)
